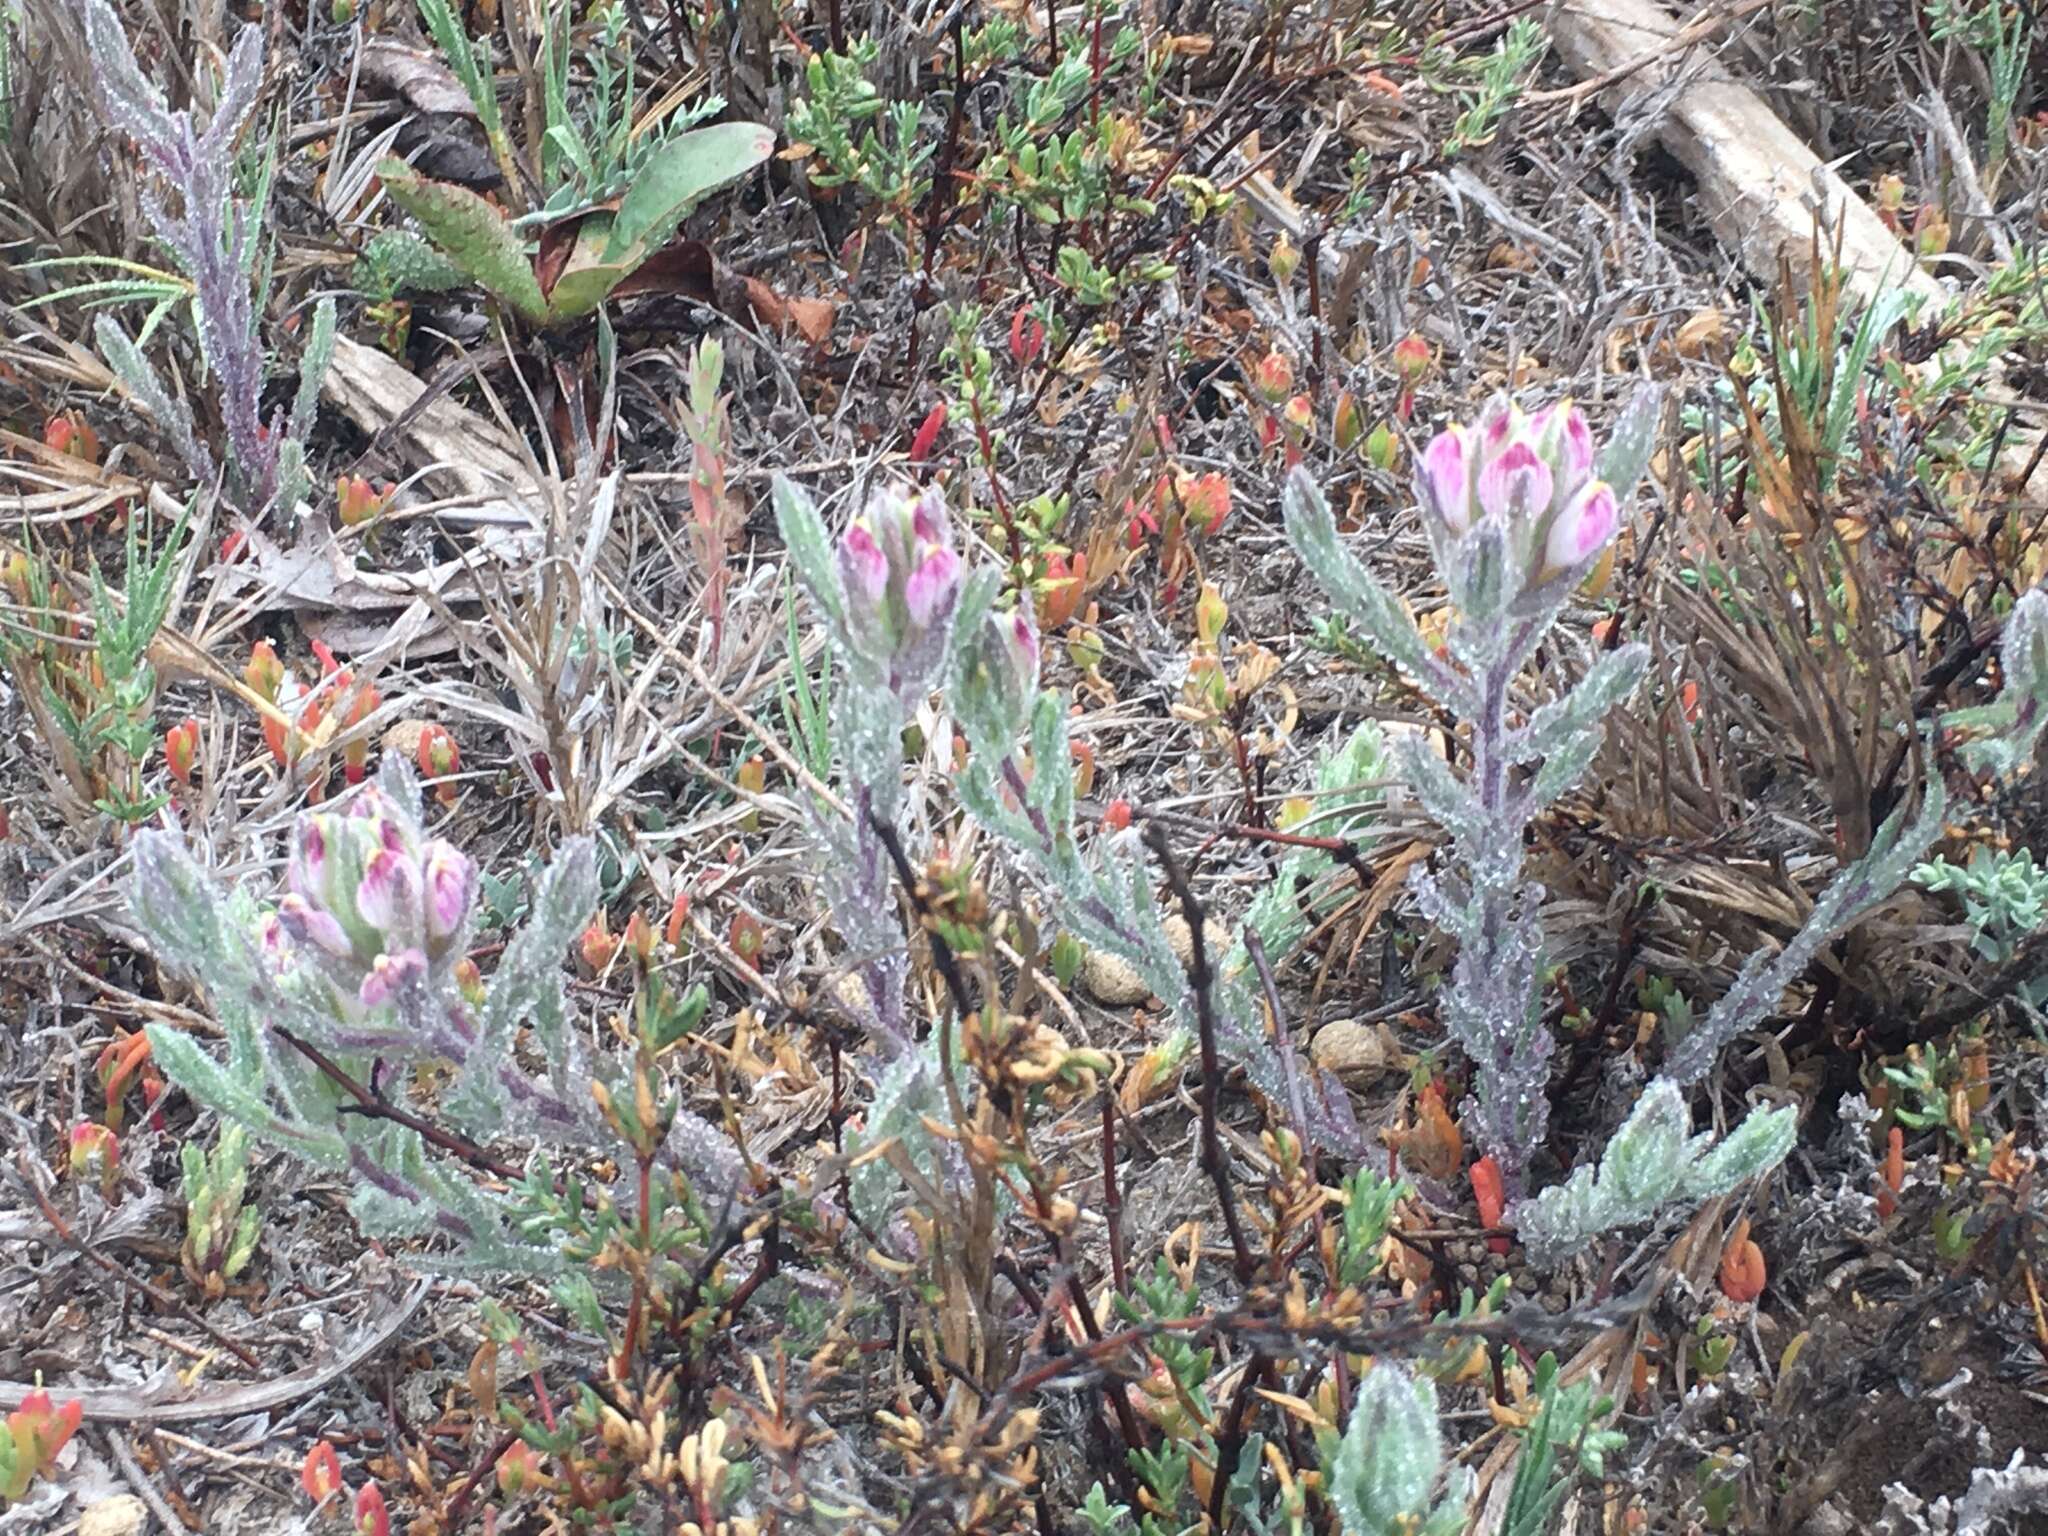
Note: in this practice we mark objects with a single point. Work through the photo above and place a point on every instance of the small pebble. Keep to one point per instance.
(122, 1515)
(1113, 980)
(1216, 941)
(1355, 1052)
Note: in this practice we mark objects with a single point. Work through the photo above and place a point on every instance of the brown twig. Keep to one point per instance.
(131, 1469)
(942, 952)
(1343, 850)
(1112, 1197)
(1230, 1444)
(459, 1510)
(1297, 1106)
(374, 1106)
(1201, 977)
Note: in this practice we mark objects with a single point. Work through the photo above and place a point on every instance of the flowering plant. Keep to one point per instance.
(1519, 509)
(360, 968)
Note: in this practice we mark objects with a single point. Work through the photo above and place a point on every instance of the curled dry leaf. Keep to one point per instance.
(415, 76)
(1742, 1266)
(1490, 1192)
(1432, 1145)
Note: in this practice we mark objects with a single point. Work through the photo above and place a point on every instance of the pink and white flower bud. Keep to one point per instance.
(1565, 441)
(387, 974)
(273, 942)
(862, 565)
(1582, 529)
(309, 858)
(371, 805)
(901, 574)
(1501, 422)
(311, 925)
(451, 881)
(931, 586)
(1445, 480)
(389, 890)
(1516, 484)
(1022, 648)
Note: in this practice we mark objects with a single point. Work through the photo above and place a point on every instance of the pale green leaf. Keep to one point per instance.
(672, 180)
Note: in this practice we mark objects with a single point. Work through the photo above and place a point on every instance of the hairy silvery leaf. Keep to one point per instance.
(175, 903)
(527, 986)
(1651, 1162)
(1631, 441)
(810, 547)
(1612, 678)
(312, 369)
(173, 415)
(984, 801)
(1482, 575)
(1754, 1147)
(1282, 911)
(705, 1156)
(225, 1091)
(402, 1192)
(1312, 529)
(1381, 1477)
(1560, 771)
(237, 97)
(130, 102)
(993, 694)
(1052, 759)
(2015, 719)
(1893, 852)
(1440, 794)
(905, 1092)
(1640, 1166)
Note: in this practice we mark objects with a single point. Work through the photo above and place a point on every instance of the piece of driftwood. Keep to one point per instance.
(1760, 186)
(375, 392)
(116, 1405)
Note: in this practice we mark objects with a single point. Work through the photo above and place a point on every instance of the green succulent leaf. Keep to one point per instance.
(475, 236)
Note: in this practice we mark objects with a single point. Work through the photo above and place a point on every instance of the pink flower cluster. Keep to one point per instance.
(1529, 476)
(900, 571)
(365, 892)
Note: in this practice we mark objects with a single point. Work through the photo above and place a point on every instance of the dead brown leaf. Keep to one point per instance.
(416, 77)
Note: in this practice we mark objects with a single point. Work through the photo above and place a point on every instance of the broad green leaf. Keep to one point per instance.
(590, 272)
(474, 234)
(678, 174)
